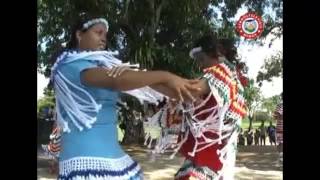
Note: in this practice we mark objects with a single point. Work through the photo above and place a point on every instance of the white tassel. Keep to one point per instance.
(146, 139)
(79, 106)
(149, 146)
(146, 94)
(66, 98)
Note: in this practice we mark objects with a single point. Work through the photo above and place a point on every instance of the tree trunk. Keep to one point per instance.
(44, 131)
(133, 130)
(250, 122)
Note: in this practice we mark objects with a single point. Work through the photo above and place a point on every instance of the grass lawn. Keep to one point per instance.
(255, 124)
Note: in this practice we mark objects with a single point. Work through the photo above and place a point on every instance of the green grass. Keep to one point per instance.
(120, 134)
(255, 124)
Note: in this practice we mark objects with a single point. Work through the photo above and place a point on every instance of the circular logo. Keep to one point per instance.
(250, 25)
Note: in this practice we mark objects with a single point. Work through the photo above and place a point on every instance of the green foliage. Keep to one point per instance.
(158, 34)
(261, 116)
(253, 97)
(270, 104)
(273, 67)
(46, 101)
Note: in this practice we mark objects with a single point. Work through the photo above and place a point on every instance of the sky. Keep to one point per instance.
(42, 82)
(254, 57)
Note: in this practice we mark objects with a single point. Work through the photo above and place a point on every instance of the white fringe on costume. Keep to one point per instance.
(216, 122)
(82, 111)
(97, 168)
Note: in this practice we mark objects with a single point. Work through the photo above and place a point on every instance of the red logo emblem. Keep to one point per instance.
(250, 25)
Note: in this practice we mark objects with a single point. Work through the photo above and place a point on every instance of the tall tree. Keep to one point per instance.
(253, 97)
(45, 102)
(270, 104)
(155, 33)
(272, 67)
(130, 121)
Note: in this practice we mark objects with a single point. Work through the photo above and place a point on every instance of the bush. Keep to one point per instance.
(262, 116)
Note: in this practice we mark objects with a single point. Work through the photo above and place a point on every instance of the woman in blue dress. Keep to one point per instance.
(86, 99)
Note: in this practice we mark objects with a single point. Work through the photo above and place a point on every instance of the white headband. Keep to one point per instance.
(194, 50)
(95, 21)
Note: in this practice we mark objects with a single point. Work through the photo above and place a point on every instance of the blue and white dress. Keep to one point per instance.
(87, 115)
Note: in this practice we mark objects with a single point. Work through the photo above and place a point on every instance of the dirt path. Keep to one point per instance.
(253, 163)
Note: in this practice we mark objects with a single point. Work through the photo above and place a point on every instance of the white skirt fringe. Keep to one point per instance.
(96, 168)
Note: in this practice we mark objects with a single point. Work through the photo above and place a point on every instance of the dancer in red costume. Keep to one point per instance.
(211, 128)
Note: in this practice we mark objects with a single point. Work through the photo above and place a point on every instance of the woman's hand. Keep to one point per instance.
(182, 88)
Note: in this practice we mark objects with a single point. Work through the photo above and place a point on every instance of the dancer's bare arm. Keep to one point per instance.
(128, 80)
(160, 87)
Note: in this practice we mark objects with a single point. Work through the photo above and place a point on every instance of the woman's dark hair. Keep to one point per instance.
(73, 43)
(228, 49)
(213, 46)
